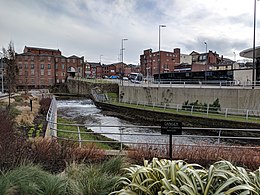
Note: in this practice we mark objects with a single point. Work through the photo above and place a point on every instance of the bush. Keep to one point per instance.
(96, 179)
(44, 105)
(178, 177)
(201, 107)
(12, 142)
(31, 179)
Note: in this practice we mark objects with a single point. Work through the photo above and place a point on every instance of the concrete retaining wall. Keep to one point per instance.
(84, 88)
(228, 98)
(154, 118)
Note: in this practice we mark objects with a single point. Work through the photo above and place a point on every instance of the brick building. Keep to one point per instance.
(149, 61)
(94, 70)
(205, 61)
(42, 67)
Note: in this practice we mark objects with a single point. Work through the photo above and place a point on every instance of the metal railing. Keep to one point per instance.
(122, 132)
(201, 110)
(51, 119)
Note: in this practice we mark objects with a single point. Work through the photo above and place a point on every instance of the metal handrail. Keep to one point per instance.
(225, 112)
(121, 133)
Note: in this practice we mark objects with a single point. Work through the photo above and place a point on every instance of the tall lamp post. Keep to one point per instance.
(122, 68)
(159, 64)
(100, 59)
(2, 68)
(253, 76)
(206, 63)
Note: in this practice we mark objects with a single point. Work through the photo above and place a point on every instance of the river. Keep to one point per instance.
(85, 112)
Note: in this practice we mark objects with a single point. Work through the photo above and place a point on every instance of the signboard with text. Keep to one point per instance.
(171, 127)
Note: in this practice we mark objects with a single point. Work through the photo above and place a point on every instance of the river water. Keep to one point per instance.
(85, 112)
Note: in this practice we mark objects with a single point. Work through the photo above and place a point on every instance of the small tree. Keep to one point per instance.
(11, 69)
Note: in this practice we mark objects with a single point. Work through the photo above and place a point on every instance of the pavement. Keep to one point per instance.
(3, 95)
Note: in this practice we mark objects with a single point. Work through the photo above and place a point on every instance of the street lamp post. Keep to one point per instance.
(206, 63)
(2, 68)
(253, 76)
(122, 67)
(159, 64)
(100, 59)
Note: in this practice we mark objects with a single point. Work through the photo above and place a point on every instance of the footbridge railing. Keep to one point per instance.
(51, 119)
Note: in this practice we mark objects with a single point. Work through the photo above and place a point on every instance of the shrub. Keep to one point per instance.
(201, 154)
(12, 142)
(96, 179)
(178, 177)
(44, 105)
(31, 179)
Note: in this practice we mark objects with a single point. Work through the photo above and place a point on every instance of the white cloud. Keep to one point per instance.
(95, 27)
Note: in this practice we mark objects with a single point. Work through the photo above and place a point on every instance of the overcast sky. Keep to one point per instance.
(91, 28)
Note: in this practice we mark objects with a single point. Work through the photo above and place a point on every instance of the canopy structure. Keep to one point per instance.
(248, 53)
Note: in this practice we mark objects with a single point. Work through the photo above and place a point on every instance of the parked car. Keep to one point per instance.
(113, 77)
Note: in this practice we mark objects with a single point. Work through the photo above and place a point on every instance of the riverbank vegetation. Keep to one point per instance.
(70, 131)
(178, 177)
(196, 111)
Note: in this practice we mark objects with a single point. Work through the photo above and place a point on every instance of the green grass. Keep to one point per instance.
(106, 146)
(112, 96)
(188, 113)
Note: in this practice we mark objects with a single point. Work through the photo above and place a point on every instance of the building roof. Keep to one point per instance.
(94, 64)
(39, 48)
(248, 53)
(74, 56)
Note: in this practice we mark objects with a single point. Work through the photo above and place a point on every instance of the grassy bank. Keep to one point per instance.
(188, 113)
(86, 134)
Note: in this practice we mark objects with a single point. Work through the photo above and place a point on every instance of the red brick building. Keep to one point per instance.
(42, 67)
(205, 61)
(149, 61)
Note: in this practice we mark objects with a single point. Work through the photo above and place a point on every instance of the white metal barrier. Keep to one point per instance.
(208, 133)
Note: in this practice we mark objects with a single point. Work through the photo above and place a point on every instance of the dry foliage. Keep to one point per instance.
(201, 154)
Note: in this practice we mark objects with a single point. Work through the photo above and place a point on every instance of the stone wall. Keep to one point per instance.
(84, 88)
(228, 97)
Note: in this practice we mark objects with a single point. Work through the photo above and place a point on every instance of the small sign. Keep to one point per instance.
(171, 127)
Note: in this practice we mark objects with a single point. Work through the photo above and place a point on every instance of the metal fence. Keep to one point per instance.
(51, 119)
(199, 110)
(134, 138)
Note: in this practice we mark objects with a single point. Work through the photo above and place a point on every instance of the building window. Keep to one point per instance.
(63, 66)
(20, 66)
(49, 58)
(63, 59)
(63, 73)
(73, 60)
(42, 82)
(49, 66)
(68, 60)
(50, 81)
(32, 66)
(42, 72)
(25, 58)
(26, 66)
(32, 58)
(32, 72)
(32, 81)
(49, 72)
(42, 66)
(20, 72)
(56, 66)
